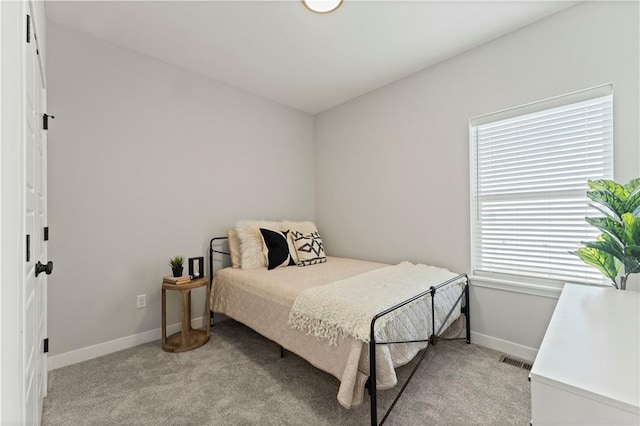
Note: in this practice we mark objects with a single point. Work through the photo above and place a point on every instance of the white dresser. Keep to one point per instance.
(587, 371)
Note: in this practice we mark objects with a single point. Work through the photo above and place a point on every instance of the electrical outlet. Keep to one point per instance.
(141, 301)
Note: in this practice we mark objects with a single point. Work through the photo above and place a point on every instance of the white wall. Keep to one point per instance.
(392, 166)
(147, 161)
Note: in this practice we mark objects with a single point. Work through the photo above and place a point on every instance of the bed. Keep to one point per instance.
(272, 302)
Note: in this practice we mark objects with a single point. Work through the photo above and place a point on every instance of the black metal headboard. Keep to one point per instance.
(211, 251)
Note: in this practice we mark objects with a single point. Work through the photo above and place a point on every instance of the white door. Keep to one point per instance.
(35, 208)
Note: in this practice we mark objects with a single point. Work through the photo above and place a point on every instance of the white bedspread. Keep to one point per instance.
(346, 307)
(263, 300)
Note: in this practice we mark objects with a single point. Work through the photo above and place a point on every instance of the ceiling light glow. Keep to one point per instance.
(322, 6)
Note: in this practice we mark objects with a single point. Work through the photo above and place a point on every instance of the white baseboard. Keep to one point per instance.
(94, 351)
(514, 349)
(73, 357)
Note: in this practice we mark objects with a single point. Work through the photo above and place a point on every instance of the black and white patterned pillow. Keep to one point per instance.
(276, 248)
(309, 248)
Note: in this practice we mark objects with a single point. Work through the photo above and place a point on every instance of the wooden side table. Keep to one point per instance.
(188, 338)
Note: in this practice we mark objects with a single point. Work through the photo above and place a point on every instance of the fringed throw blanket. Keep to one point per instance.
(346, 307)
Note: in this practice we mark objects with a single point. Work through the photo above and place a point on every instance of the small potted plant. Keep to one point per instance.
(176, 265)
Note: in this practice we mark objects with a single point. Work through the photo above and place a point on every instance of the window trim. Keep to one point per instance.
(521, 283)
(516, 286)
(548, 103)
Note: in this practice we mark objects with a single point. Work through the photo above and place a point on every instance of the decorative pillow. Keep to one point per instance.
(309, 248)
(303, 227)
(251, 244)
(276, 248)
(234, 247)
(292, 247)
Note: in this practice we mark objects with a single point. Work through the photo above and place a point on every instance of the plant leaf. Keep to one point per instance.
(607, 246)
(608, 225)
(616, 189)
(633, 251)
(631, 229)
(604, 262)
(633, 185)
(611, 246)
(607, 199)
(634, 270)
(176, 261)
(632, 205)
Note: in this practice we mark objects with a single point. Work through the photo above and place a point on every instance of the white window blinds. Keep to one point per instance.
(528, 188)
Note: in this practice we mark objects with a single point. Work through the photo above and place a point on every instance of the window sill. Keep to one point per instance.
(541, 290)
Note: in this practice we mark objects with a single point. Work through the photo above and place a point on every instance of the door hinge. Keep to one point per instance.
(45, 121)
(46, 233)
(46, 345)
(28, 29)
(28, 248)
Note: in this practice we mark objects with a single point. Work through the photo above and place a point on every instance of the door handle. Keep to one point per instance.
(47, 269)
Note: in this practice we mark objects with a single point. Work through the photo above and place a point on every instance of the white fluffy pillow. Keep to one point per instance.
(251, 253)
(234, 247)
(251, 245)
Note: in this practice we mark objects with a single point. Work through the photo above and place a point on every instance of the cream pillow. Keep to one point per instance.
(234, 247)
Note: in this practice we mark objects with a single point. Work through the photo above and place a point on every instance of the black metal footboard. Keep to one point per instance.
(433, 339)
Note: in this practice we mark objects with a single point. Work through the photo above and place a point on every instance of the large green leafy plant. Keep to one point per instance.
(616, 253)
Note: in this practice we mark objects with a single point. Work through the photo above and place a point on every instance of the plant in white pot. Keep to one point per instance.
(616, 252)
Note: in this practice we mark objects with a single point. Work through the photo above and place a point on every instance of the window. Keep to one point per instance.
(529, 171)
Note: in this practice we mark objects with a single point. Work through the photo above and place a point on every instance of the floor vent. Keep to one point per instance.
(515, 362)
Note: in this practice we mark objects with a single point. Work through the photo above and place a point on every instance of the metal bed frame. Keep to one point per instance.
(433, 339)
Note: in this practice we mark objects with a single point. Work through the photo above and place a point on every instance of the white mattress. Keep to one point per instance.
(262, 300)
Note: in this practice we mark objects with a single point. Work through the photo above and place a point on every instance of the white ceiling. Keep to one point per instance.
(283, 52)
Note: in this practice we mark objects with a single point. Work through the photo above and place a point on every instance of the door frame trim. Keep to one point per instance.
(12, 246)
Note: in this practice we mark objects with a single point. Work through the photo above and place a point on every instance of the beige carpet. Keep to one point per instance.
(238, 378)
